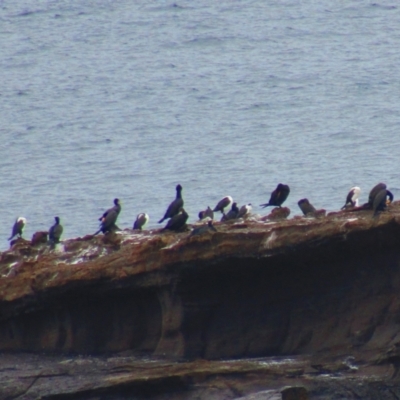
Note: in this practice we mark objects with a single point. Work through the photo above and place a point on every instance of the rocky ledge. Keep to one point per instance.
(308, 301)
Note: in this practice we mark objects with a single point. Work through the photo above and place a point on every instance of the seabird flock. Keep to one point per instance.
(378, 199)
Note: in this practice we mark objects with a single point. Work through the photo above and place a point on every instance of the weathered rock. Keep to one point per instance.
(277, 214)
(325, 288)
(39, 238)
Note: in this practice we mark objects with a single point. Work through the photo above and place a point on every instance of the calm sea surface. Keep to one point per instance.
(117, 98)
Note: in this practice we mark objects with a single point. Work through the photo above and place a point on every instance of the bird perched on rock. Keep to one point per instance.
(206, 213)
(278, 196)
(178, 221)
(374, 192)
(244, 211)
(223, 203)
(232, 213)
(203, 229)
(380, 201)
(109, 218)
(141, 220)
(352, 197)
(18, 227)
(174, 208)
(55, 232)
(306, 206)
(116, 208)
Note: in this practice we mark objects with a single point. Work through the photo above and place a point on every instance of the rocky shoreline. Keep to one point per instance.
(252, 308)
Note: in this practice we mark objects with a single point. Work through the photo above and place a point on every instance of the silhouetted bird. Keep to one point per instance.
(141, 220)
(372, 194)
(222, 204)
(109, 218)
(18, 227)
(232, 213)
(178, 221)
(306, 206)
(116, 208)
(175, 206)
(380, 201)
(278, 196)
(244, 211)
(55, 232)
(208, 213)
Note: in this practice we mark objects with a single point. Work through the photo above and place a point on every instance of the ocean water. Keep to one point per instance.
(104, 99)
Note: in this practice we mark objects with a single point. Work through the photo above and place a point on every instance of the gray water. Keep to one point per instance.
(104, 99)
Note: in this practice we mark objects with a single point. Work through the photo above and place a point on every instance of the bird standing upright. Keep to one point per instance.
(141, 220)
(178, 221)
(109, 218)
(18, 227)
(175, 206)
(278, 196)
(55, 232)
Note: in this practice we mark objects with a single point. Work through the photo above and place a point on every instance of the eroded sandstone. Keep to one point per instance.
(305, 287)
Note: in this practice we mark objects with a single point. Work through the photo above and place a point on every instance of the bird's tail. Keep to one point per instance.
(10, 238)
(264, 205)
(161, 220)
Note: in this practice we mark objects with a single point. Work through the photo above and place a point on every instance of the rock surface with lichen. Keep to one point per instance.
(249, 310)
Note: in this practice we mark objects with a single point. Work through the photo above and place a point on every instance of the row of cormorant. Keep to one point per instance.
(378, 199)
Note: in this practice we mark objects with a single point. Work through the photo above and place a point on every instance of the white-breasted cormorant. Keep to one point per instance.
(352, 197)
(223, 203)
(18, 227)
(141, 220)
(244, 211)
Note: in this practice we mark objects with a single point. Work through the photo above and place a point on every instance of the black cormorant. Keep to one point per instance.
(278, 196)
(175, 206)
(55, 232)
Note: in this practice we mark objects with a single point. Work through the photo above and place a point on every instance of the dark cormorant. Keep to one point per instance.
(178, 221)
(380, 201)
(372, 194)
(232, 214)
(18, 227)
(352, 197)
(175, 206)
(223, 204)
(109, 218)
(116, 208)
(306, 206)
(55, 231)
(278, 196)
(141, 220)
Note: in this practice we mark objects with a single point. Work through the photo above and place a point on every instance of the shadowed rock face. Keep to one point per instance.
(328, 287)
